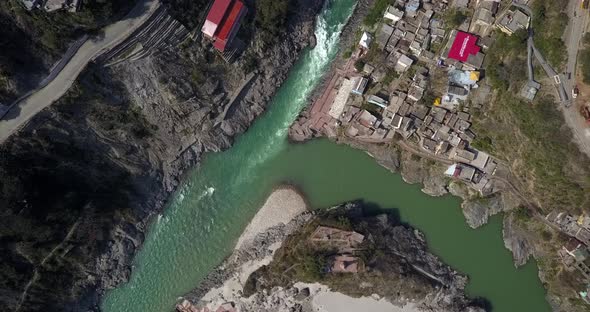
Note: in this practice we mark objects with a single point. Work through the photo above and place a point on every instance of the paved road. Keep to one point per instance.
(112, 35)
(574, 33)
(573, 37)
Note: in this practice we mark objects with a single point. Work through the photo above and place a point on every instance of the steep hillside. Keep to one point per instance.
(82, 179)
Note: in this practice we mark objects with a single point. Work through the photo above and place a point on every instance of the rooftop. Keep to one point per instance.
(513, 21)
(464, 45)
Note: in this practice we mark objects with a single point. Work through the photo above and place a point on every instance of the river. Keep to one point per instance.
(209, 211)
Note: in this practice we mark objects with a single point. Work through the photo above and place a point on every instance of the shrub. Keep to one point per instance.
(376, 12)
(359, 65)
(546, 235)
(522, 213)
(454, 18)
(271, 15)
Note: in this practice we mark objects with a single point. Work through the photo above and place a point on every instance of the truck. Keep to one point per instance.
(575, 92)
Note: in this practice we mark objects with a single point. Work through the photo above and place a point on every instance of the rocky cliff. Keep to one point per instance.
(83, 178)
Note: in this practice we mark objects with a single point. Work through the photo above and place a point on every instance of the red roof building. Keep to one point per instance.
(223, 22)
(463, 46)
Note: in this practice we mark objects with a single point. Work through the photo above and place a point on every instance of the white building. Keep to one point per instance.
(366, 40)
(393, 14)
(403, 63)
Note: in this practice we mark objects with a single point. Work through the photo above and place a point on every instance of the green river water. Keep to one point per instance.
(215, 203)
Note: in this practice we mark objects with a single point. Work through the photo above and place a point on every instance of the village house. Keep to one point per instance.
(359, 85)
(346, 264)
(461, 172)
(378, 101)
(529, 90)
(513, 21)
(366, 40)
(344, 240)
(463, 48)
(403, 63)
(484, 16)
(341, 98)
(393, 14)
(461, 4)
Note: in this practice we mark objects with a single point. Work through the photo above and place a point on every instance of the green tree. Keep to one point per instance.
(271, 15)
(454, 18)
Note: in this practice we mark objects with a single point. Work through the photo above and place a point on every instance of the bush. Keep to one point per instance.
(359, 65)
(271, 15)
(483, 143)
(549, 23)
(546, 235)
(453, 18)
(585, 59)
(377, 11)
(522, 213)
(390, 76)
(250, 62)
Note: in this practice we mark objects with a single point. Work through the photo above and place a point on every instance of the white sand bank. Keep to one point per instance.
(328, 301)
(281, 206)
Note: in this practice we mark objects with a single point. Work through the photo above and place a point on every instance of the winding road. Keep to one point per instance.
(25, 108)
(573, 37)
(565, 83)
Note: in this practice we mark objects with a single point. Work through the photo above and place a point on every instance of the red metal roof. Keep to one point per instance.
(463, 46)
(228, 25)
(218, 10)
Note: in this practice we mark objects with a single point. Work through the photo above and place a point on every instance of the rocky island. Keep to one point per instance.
(348, 257)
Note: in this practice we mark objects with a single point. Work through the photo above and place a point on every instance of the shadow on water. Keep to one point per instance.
(483, 303)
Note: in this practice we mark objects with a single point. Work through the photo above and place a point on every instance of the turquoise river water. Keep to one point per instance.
(208, 213)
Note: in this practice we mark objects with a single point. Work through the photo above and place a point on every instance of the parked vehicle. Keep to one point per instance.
(575, 92)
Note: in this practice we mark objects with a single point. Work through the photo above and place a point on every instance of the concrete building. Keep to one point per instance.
(461, 172)
(30, 4)
(383, 35)
(463, 48)
(346, 264)
(403, 63)
(375, 100)
(336, 237)
(461, 4)
(341, 98)
(359, 85)
(393, 14)
(366, 40)
(529, 90)
(484, 19)
(412, 7)
(513, 21)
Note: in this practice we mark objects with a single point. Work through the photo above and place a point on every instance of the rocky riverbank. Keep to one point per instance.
(403, 277)
(83, 179)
